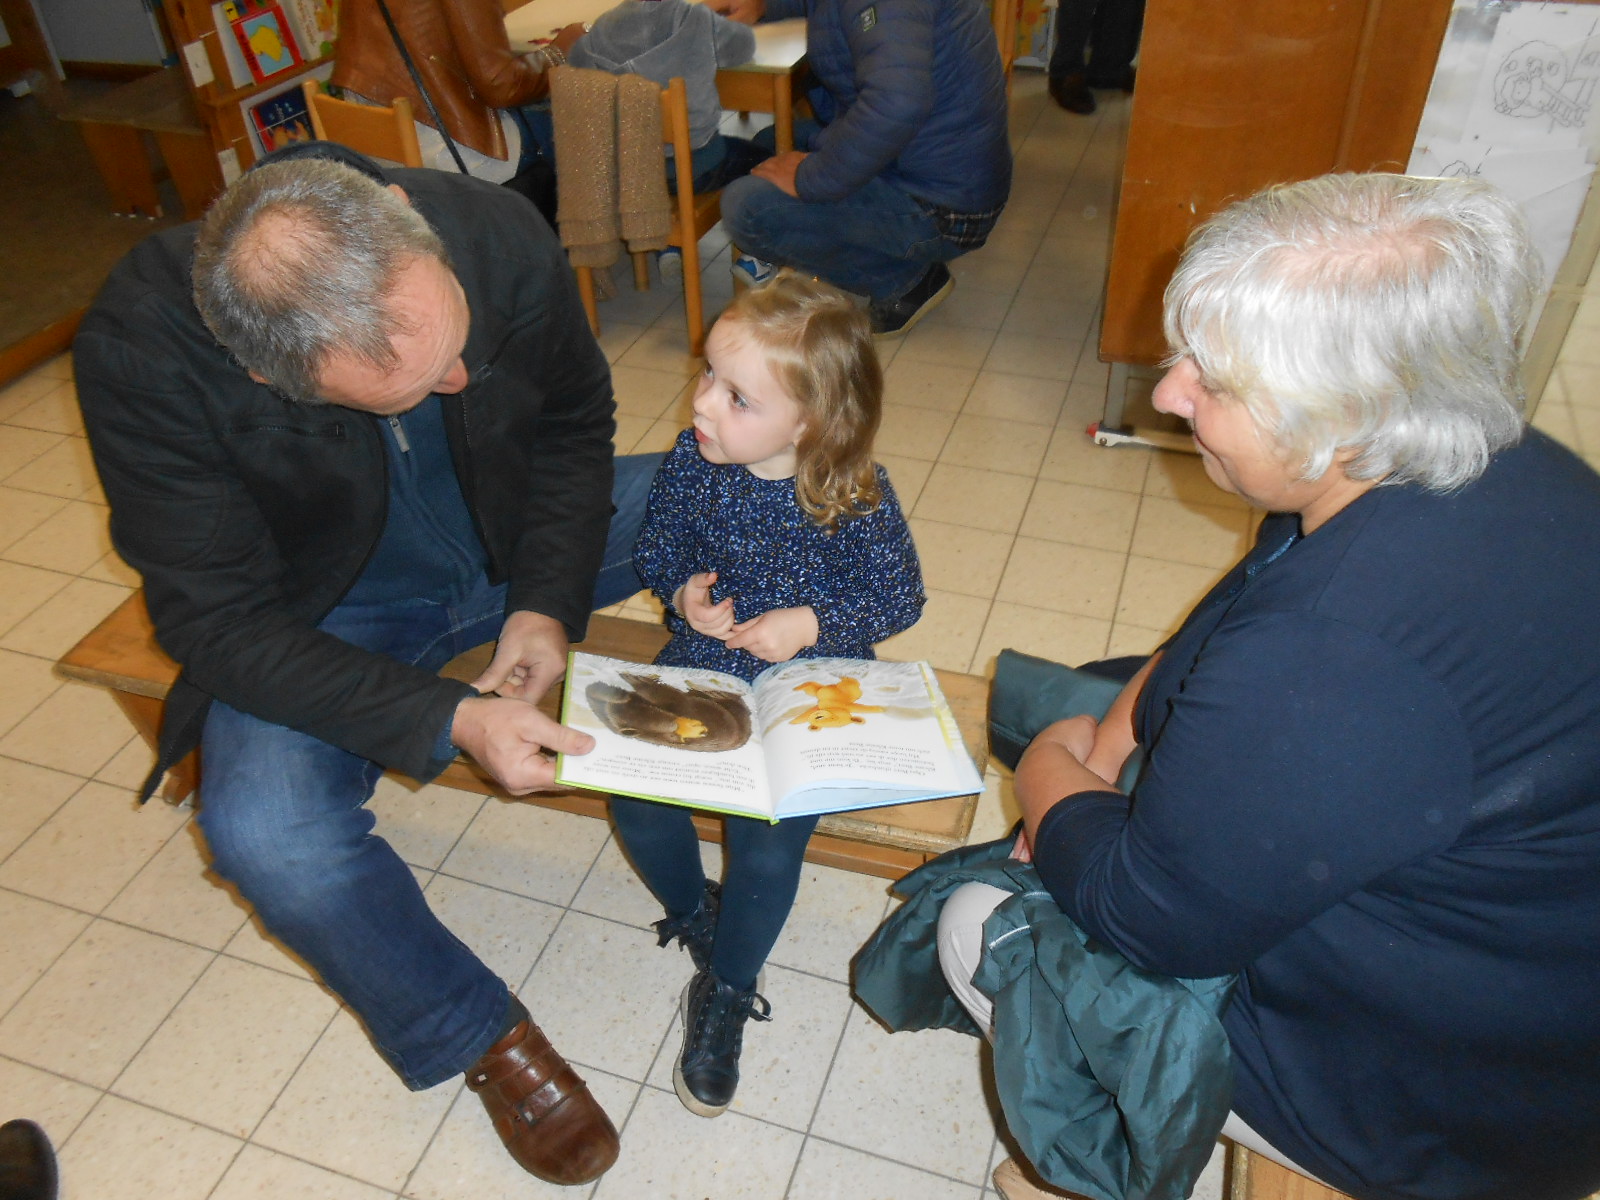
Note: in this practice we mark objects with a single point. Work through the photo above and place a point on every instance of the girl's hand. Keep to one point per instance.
(778, 635)
(694, 602)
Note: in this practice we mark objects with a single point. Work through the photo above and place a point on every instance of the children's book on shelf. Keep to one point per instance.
(813, 735)
(315, 23)
(265, 36)
(281, 119)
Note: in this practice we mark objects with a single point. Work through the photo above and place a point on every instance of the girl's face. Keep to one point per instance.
(742, 414)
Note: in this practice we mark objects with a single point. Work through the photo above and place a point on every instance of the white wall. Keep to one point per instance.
(114, 31)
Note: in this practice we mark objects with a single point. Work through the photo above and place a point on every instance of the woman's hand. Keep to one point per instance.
(693, 600)
(778, 634)
(1052, 768)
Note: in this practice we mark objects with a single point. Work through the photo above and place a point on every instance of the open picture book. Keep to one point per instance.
(816, 735)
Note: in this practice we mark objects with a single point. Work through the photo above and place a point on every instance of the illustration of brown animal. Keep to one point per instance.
(696, 717)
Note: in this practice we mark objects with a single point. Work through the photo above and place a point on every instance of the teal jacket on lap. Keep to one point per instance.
(1115, 1081)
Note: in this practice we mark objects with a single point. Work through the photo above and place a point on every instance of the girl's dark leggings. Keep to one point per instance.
(760, 879)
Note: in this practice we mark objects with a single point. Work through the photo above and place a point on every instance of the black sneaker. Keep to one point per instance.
(714, 1014)
(694, 932)
(891, 318)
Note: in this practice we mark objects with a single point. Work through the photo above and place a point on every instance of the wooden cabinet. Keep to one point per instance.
(1232, 97)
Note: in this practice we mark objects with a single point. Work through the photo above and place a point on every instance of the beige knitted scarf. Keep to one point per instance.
(613, 184)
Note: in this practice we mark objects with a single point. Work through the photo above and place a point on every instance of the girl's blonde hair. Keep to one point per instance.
(819, 346)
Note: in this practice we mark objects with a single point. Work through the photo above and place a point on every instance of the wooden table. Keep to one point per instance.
(764, 84)
(114, 125)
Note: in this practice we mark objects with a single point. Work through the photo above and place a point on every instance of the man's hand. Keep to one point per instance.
(532, 655)
(777, 635)
(508, 739)
(694, 602)
(748, 11)
(779, 170)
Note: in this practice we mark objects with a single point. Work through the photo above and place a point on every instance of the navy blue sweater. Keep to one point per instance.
(912, 93)
(1374, 789)
(863, 581)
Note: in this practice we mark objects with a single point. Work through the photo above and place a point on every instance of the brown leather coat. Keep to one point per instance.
(461, 52)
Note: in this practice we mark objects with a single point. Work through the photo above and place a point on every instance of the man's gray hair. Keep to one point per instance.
(1378, 315)
(296, 261)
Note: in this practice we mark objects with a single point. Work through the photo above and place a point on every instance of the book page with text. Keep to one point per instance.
(871, 732)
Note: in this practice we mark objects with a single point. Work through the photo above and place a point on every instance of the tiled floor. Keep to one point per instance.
(174, 1052)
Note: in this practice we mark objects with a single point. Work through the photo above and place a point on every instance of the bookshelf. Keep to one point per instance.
(223, 86)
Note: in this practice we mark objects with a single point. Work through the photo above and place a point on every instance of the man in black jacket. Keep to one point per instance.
(349, 425)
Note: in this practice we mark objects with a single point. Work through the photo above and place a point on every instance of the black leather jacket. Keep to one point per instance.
(249, 516)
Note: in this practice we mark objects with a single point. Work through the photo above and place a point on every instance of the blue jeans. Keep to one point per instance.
(878, 241)
(285, 817)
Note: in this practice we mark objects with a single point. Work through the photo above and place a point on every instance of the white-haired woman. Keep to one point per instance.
(1372, 784)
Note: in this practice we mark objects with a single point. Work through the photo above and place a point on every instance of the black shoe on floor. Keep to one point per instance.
(27, 1163)
(714, 1014)
(696, 931)
(891, 318)
(1072, 93)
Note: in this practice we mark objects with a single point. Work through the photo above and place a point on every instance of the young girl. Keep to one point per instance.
(770, 535)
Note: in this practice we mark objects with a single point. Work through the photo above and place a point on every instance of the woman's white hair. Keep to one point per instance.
(1378, 316)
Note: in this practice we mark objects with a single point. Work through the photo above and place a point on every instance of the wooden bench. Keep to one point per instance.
(114, 125)
(121, 654)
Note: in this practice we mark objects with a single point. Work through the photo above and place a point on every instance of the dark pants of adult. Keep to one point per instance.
(878, 241)
(1096, 39)
(286, 819)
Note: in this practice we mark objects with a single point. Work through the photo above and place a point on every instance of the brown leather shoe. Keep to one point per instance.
(27, 1163)
(542, 1111)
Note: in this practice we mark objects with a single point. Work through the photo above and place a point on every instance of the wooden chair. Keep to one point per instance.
(389, 133)
(692, 218)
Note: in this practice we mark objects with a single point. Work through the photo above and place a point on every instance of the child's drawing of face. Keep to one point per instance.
(742, 414)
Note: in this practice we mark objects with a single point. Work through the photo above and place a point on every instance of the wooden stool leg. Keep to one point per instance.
(641, 271)
(118, 151)
(144, 714)
(192, 163)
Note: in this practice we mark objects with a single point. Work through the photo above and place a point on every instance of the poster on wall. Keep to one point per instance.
(1514, 101)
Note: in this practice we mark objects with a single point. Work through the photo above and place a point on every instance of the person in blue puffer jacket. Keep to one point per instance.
(907, 166)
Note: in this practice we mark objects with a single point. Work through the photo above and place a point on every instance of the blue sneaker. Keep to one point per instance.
(670, 263)
(751, 272)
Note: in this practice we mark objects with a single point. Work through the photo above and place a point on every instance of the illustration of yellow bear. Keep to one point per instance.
(836, 705)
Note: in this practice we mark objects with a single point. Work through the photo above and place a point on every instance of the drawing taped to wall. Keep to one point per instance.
(1537, 81)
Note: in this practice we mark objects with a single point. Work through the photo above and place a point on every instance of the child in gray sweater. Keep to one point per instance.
(666, 39)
